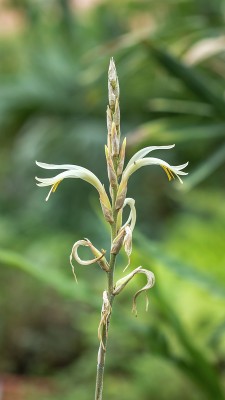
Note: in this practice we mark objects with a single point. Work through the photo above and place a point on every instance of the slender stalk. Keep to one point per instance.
(105, 329)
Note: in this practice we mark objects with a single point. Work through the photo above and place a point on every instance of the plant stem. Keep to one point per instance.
(105, 329)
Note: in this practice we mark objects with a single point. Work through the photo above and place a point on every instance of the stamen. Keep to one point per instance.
(53, 189)
(171, 173)
(49, 193)
(167, 172)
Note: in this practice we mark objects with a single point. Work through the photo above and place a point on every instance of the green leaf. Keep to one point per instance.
(153, 251)
(58, 281)
(175, 130)
(197, 367)
(190, 77)
(205, 169)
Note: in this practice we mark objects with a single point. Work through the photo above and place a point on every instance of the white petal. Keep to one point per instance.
(74, 172)
(124, 281)
(57, 178)
(143, 152)
(128, 244)
(132, 217)
(55, 166)
(179, 167)
(153, 161)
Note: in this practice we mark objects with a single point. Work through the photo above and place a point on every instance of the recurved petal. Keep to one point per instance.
(132, 217)
(55, 166)
(150, 283)
(99, 256)
(121, 283)
(146, 150)
(57, 178)
(74, 172)
(154, 161)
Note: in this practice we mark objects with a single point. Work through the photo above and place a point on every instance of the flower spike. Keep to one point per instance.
(121, 231)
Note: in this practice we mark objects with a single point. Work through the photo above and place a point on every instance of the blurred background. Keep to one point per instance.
(170, 58)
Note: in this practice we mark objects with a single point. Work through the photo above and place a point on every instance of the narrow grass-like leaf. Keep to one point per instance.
(175, 130)
(190, 77)
(58, 281)
(197, 367)
(206, 168)
(153, 251)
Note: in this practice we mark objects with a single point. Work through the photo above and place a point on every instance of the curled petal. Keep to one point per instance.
(143, 152)
(125, 232)
(128, 244)
(99, 256)
(132, 217)
(121, 283)
(124, 281)
(150, 283)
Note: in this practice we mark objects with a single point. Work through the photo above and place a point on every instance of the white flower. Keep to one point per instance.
(143, 152)
(138, 161)
(72, 171)
(99, 256)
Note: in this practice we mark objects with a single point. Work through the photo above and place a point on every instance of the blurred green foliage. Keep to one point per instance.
(53, 94)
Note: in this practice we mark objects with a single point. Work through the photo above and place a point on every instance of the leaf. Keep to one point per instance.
(178, 106)
(185, 271)
(190, 77)
(175, 130)
(196, 366)
(205, 169)
(55, 279)
(204, 49)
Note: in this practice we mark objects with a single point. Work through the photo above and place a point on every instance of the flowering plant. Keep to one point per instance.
(112, 208)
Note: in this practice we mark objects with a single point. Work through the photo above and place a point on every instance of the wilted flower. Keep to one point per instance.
(121, 283)
(99, 256)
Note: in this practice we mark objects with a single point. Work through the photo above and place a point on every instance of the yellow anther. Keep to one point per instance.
(54, 187)
(168, 172)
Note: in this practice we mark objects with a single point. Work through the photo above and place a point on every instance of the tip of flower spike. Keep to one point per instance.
(112, 63)
(112, 72)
